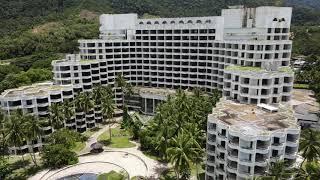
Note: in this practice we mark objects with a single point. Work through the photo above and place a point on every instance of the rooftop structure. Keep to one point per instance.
(243, 139)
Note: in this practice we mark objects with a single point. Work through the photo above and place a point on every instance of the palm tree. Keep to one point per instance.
(309, 145)
(121, 83)
(56, 116)
(33, 131)
(279, 171)
(197, 136)
(310, 171)
(182, 152)
(84, 102)
(68, 110)
(87, 102)
(3, 135)
(16, 132)
(215, 97)
(108, 109)
(98, 93)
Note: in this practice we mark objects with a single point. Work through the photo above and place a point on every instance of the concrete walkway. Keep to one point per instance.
(94, 138)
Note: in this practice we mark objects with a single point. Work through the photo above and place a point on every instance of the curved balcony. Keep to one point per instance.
(278, 144)
(245, 150)
(292, 144)
(232, 167)
(210, 173)
(263, 150)
(245, 162)
(220, 170)
(233, 146)
(245, 174)
(276, 158)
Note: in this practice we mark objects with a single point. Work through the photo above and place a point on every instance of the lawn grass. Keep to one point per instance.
(78, 146)
(120, 138)
(301, 86)
(112, 175)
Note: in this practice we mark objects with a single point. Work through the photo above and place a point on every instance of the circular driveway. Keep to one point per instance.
(129, 160)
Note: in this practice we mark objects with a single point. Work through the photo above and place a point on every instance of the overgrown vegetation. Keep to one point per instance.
(310, 74)
(177, 132)
(306, 40)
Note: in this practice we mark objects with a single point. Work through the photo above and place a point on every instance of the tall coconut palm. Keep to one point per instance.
(310, 171)
(197, 137)
(121, 83)
(16, 132)
(3, 135)
(84, 102)
(108, 109)
(163, 139)
(68, 110)
(33, 132)
(87, 102)
(279, 171)
(56, 116)
(98, 93)
(309, 145)
(181, 153)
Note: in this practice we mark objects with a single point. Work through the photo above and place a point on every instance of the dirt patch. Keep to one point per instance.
(45, 27)
(88, 15)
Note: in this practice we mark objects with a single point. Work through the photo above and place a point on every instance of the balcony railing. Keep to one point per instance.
(277, 144)
(222, 135)
(261, 159)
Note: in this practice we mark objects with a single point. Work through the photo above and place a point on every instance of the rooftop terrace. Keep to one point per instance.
(253, 119)
(249, 69)
(37, 89)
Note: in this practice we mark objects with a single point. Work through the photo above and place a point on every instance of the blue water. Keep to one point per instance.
(84, 176)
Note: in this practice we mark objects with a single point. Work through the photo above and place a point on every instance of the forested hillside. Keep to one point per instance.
(17, 15)
(34, 32)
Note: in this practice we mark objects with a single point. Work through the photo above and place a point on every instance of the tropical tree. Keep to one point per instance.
(56, 116)
(57, 155)
(16, 132)
(108, 110)
(84, 103)
(98, 93)
(34, 131)
(68, 110)
(87, 102)
(136, 126)
(163, 136)
(126, 88)
(279, 171)
(3, 135)
(121, 83)
(198, 137)
(309, 145)
(311, 171)
(126, 118)
(182, 153)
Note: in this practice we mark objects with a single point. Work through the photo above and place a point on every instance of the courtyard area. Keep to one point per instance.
(121, 159)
